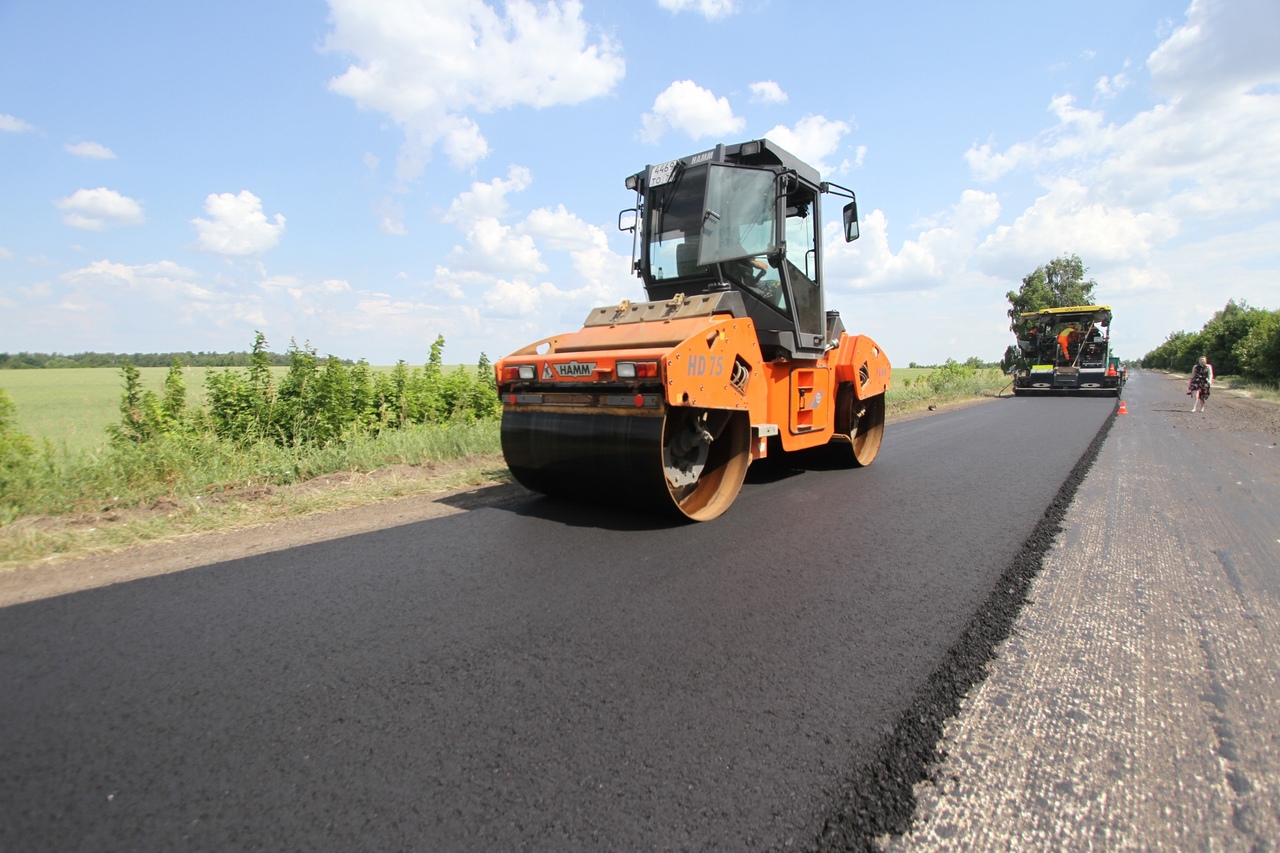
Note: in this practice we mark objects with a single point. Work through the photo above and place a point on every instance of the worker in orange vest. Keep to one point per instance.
(1066, 337)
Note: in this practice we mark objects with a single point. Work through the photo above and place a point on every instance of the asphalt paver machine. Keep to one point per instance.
(1067, 350)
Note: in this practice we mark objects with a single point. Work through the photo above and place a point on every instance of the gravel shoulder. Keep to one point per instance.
(1137, 702)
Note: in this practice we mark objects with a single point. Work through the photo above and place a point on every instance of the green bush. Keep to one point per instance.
(17, 454)
(951, 378)
(325, 400)
(124, 474)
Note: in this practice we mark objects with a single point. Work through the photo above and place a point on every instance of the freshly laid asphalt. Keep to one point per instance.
(538, 675)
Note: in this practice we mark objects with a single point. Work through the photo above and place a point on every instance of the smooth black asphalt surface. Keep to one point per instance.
(537, 676)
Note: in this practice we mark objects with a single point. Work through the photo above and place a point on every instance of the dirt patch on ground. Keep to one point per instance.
(1234, 411)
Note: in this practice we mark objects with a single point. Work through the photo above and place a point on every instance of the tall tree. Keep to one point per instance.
(1225, 330)
(1057, 284)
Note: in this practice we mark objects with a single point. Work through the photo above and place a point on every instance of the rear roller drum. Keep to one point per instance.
(859, 427)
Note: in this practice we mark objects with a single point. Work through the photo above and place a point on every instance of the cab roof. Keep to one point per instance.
(754, 152)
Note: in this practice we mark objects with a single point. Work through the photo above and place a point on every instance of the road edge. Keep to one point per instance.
(878, 799)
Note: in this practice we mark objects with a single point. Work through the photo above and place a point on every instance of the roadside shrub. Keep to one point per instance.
(17, 452)
(141, 416)
(14, 445)
(951, 378)
(318, 401)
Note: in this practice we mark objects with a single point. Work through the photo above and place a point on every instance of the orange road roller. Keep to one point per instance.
(664, 404)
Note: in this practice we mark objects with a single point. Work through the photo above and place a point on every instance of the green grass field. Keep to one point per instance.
(73, 406)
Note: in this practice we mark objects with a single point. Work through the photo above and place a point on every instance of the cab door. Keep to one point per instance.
(804, 278)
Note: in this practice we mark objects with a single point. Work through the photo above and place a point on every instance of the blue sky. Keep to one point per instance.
(368, 174)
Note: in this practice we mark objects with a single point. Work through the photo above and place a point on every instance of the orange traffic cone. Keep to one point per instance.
(1123, 410)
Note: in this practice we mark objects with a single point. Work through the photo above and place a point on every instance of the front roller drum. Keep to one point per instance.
(688, 461)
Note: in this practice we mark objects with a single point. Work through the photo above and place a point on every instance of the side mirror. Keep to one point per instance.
(851, 221)
(628, 219)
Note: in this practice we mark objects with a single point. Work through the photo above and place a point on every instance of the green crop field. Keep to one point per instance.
(73, 406)
(901, 374)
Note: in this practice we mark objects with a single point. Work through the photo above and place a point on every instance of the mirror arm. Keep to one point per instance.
(836, 189)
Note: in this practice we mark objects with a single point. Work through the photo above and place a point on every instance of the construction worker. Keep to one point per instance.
(1066, 337)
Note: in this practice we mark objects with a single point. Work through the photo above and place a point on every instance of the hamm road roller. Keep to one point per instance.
(663, 404)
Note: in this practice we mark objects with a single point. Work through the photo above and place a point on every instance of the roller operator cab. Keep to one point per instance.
(663, 404)
(1067, 350)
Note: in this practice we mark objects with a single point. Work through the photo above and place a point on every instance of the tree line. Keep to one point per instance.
(318, 400)
(1239, 340)
(41, 360)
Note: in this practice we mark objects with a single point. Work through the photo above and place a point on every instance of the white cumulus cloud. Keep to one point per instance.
(99, 209)
(497, 266)
(488, 200)
(492, 246)
(687, 107)
(1110, 86)
(606, 274)
(710, 9)
(1210, 150)
(1172, 206)
(813, 139)
(91, 150)
(936, 258)
(767, 92)
(430, 66)
(1071, 216)
(236, 225)
(1223, 45)
(12, 124)
(161, 278)
(516, 298)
